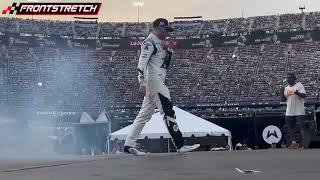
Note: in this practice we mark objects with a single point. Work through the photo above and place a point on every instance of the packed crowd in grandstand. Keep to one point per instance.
(53, 78)
(195, 28)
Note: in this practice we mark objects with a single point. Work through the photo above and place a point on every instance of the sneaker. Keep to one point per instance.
(134, 151)
(186, 148)
(294, 146)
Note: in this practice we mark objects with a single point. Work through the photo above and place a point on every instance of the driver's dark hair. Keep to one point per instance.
(292, 74)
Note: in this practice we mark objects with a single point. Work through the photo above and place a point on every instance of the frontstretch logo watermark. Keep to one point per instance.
(53, 9)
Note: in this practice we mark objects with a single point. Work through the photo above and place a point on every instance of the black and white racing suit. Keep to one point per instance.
(152, 67)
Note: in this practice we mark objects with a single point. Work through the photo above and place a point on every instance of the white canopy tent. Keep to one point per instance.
(102, 122)
(85, 118)
(102, 118)
(189, 125)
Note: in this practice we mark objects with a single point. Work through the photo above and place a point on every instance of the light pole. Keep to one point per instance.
(138, 4)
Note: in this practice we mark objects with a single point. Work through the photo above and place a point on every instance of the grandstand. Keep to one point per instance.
(79, 76)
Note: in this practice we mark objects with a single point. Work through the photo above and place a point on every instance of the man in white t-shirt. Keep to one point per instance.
(294, 95)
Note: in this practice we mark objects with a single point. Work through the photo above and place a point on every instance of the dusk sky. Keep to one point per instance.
(123, 10)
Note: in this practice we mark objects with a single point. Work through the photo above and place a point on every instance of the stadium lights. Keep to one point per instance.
(40, 84)
(138, 4)
(302, 8)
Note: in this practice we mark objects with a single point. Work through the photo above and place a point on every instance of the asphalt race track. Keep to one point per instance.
(272, 164)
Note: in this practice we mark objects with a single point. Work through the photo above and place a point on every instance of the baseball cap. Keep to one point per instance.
(161, 22)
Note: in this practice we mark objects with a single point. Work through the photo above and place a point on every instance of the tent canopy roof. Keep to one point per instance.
(189, 125)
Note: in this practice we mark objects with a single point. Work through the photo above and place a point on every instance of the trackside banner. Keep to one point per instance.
(21, 39)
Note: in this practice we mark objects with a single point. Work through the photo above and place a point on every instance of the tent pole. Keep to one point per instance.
(230, 142)
(168, 146)
(108, 145)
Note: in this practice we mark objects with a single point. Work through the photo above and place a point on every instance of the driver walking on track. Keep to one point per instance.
(152, 67)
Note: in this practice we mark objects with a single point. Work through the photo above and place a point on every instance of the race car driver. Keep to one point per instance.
(152, 67)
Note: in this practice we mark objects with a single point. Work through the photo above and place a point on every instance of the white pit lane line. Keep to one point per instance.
(246, 171)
